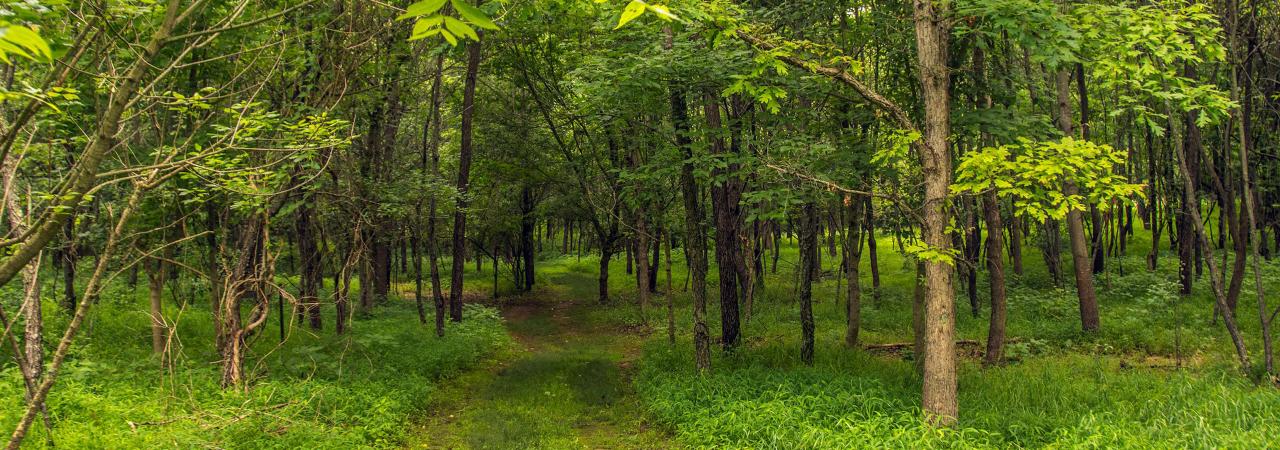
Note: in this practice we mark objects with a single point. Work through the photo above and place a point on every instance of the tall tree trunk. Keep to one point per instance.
(1215, 280)
(939, 387)
(972, 250)
(1242, 91)
(464, 176)
(30, 358)
(1095, 216)
(671, 293)
(853, 251)
(433, 150)
(1051, 249)
(808, 269)
(68, 260)
(1081, 262)
(995, 236)
(526, 236)
(695, 236)
(602, 281)
(155, 295)
(872, 257)
(995, 269)
(1015, 244)
(642, 257)
(312, 277)
(725, 197)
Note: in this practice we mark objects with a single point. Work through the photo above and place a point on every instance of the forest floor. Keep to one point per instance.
(565, 384)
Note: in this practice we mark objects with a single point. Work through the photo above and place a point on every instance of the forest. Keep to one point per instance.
(639, 224)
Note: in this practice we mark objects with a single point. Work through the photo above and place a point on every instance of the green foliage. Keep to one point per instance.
(1037, 174)
(636, 8)
(431, 21)
(23, 41)
(233, 164)
(1139, 52)
(1036, 25)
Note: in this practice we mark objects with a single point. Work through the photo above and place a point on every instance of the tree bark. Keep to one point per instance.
(526, 236)
(808, 271)
(939, 387)
(853, 257)
(464, 176)
(695, 236)
(725, 197)
(995, 269)
(312, 277)
(155, 295)
(1081, 262)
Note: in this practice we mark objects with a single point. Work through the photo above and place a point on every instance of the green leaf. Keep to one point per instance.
(425, 26)
(662, 12)
(459, 28)
(425, 34)
(24, 42)
(632, 11)
(473, 15)
(421, 8)
(449, 37)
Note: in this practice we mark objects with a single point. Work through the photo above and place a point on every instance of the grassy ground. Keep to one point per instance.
(555, 369)
(566, 384)
(1160, 373)
(310, 391)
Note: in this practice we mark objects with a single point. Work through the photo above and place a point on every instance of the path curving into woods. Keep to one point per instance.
(566, 384)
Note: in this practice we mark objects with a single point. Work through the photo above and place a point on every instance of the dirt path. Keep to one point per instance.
(566, 384)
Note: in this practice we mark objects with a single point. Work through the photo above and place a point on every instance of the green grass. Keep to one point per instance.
(1120, 387)
(585, 375)
(565, 385)
(312, 391)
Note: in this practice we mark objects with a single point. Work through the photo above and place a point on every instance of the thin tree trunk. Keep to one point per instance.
(873, 257)
(671, 293)
(695, 236)
(1081, 262)
(808, 269)
(464, 176)
(1215, 281)
(155, 291)
(725, 197)
(995, 269)
(853, 251)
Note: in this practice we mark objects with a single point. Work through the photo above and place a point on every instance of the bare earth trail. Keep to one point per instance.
(566, 384)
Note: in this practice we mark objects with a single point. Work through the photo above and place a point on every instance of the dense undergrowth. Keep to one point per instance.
(311, 391)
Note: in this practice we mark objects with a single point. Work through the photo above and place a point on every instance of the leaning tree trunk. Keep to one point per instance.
(1215, 281)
